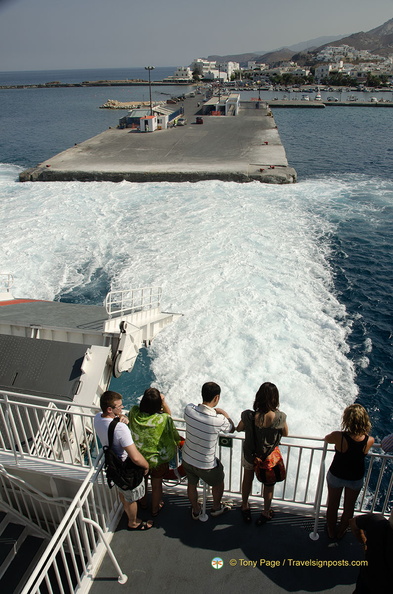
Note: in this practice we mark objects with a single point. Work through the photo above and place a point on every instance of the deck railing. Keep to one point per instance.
(56, 431)
(132, 300)
(307, 460)
(80, 540)
(64, 433)
(82, 536)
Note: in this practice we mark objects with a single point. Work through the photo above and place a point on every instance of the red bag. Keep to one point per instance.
(271, 470)
(176, 471)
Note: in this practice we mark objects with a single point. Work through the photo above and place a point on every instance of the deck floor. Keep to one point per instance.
(176, 555)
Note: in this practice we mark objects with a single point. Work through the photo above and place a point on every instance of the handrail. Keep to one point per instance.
(6, 281)
(17, 396)
(57, 433)
(24, 499)
(68, 538)
(81, 532)
(132, 300)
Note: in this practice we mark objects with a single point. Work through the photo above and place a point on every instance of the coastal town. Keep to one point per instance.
(341, 65)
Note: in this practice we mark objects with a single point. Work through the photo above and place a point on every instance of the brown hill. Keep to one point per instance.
(274, 57)
(271, 58)
(377, 41)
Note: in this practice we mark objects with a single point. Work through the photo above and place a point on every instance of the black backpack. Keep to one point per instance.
(123, 473)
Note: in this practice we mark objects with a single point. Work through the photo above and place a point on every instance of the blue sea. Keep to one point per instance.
(290, 284)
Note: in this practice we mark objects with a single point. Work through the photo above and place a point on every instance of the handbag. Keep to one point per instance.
(271, 470)
(268, 470)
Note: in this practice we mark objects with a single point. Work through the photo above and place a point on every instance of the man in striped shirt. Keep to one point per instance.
(203, 424)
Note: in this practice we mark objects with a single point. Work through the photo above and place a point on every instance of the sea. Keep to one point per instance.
(290, 284)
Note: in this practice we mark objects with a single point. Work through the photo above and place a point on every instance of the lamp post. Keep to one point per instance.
(149, 69)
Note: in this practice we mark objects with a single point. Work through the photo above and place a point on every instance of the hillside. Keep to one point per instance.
(377, 41)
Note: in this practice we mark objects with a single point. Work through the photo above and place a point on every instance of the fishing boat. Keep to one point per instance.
(63, 529)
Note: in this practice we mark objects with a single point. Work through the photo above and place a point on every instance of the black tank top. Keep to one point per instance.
(349, 465)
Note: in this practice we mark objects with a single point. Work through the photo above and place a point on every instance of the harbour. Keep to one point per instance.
(269, 258)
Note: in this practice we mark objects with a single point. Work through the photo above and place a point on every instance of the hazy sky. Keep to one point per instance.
(68, 34)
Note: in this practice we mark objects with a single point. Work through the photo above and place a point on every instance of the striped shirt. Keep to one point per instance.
(203, 425)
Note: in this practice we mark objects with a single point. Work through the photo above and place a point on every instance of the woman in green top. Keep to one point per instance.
(155, 436)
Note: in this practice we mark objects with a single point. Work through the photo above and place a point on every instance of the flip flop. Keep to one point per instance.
(246, 514)
(263, 518)
(223, 509)
(142, 526)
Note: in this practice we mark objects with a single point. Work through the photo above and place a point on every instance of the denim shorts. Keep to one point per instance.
(338, 483)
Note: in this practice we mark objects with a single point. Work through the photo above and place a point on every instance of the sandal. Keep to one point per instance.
(263, 518)
(246, 514)
(142, 526)
(223, 509)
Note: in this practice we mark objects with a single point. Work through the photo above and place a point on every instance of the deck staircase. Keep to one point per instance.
(20, 548)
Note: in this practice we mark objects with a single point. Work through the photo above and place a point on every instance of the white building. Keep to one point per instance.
(202, 66)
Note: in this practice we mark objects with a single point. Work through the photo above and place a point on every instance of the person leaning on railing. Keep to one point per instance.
(156, 437)
(347, 469)
(264, 426)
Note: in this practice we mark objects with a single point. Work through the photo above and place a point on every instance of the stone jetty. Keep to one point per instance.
(240, 148)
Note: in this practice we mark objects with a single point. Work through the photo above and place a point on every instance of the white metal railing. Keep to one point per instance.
(6, 282)
(306, 460)
(31, 505)
(79, 542)
(132, 300)
(45, 431)
(56, 431)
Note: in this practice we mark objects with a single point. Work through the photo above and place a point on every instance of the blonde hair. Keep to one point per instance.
(356, 420)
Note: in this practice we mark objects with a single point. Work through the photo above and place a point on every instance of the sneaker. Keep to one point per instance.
(223, 509)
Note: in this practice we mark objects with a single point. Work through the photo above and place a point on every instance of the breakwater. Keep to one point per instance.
(96, 83)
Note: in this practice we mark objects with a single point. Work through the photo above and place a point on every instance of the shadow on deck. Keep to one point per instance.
(175, 556)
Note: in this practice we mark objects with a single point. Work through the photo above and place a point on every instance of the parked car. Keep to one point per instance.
(181, 122)
(199, 120)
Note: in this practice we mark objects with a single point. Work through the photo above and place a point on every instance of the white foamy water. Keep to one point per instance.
(247, 265)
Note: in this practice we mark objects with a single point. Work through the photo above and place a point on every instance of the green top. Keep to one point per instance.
(154, 435)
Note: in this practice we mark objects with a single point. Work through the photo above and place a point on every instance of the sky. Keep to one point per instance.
(70, 34)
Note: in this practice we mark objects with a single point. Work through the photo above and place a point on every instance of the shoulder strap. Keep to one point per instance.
(254, 433)
(111, 430)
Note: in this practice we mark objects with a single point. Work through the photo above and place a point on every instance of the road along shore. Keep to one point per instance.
(240, 148)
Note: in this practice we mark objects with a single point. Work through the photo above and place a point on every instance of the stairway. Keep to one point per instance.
(19, 552)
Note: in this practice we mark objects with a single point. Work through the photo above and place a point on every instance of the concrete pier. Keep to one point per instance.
(238, 148)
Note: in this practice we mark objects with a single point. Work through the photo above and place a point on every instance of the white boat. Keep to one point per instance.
(59, 522)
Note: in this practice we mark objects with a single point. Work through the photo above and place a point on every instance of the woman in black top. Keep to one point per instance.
(347, 469)
(264, 427)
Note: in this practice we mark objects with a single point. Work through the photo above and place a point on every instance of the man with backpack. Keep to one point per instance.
(111, 404)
